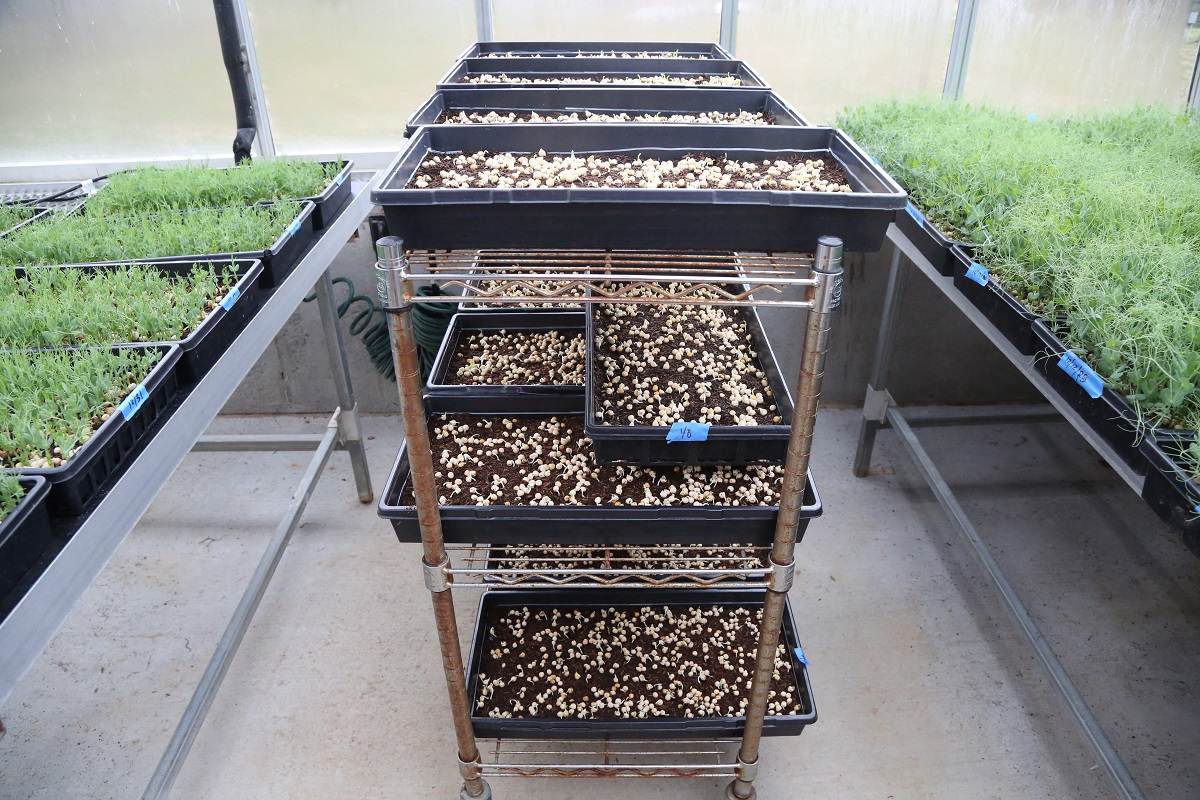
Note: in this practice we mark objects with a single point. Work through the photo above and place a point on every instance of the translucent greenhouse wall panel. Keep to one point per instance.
(92, 80)
(823, 55)
(343, 76)
(607, 20)
(1049, 55)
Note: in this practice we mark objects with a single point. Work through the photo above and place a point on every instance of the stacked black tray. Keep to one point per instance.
(717, 220)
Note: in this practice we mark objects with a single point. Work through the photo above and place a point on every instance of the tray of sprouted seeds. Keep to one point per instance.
(699, 50)
(649, 663)
(201, 305)
(658, 187)
(683, 384)
(540, 105)
(519, 361)
(79, 416)
(673, 73)
(534, 479)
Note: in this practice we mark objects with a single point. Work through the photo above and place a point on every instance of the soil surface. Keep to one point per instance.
(621, 663)
(655, 364)
(517, 358)
(660, 80)
(549, 461)
(492, 117)
(485, 168)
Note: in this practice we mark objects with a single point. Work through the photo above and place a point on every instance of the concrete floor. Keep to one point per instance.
(923, 685)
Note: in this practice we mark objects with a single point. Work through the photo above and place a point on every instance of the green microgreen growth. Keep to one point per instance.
(11, 494)
(11, 216)
(59, 398)
(81, 238)
(1094, 219)
(53, 307)
(197, 185)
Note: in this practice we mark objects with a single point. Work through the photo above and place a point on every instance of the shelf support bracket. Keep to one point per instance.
(392, 278)
(825, 296)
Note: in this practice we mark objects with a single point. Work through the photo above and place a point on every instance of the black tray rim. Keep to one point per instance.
(656, 434)
(408, 160)
(108, 429)
(431, 109)
(560, 320)
(773, 725)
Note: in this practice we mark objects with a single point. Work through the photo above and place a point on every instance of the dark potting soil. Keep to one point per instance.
(831, 171)
(492, 116)
(620, 663)
(710, 332)
(549, 461)
(534, 358)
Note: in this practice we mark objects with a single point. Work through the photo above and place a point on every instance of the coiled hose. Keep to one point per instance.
(430, 321)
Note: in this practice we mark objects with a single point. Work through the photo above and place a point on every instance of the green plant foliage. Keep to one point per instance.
(1094, 218)
(13, 215)
(81, 238)
(55, 400)
(197, 185)
(55, 307)
(11, 494)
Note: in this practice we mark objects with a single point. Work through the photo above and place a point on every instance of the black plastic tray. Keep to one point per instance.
(631, 100)
(726, 444)
(1169, 489)
(278, 260)
(330, 202)
(105, 456)
(631, 218)
(1109, 415)
(543, 68)
(25, 533)
(930, 241)
(674, 727)
(1004, 311)
(567, 49)
(209, 340)
(600, 525)
(565, 399)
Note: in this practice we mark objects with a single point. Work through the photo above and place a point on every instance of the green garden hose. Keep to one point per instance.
(430, 321)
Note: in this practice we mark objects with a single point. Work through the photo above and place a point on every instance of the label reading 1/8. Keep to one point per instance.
(978, 273)
(1082, 374)
(134, 402)
(228, 300)
(293, 228)
(799, 651)
(688, 432)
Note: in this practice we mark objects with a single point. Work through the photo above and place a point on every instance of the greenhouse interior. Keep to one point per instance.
(516, 398)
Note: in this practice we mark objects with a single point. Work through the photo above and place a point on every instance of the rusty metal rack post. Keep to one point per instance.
(587, 277)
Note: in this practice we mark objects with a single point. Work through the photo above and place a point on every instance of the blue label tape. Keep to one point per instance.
(915, 213)
(688, 432)
(293, 228)
(134, 402)
(1082, 374)
(1196, 509)
(978, 273)
(799, 651)
(341, 176)
(228, 300)
(1032, 117)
